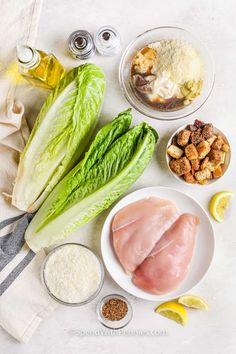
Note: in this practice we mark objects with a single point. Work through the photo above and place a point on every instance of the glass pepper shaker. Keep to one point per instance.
(107, 41)
(81, 45)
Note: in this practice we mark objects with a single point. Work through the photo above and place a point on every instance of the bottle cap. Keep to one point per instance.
(26, 55)
(107, 40)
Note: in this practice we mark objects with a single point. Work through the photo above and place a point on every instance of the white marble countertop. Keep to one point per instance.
(213, 21)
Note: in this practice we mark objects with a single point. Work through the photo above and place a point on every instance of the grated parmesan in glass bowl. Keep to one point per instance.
(72, 274)
(166, 73)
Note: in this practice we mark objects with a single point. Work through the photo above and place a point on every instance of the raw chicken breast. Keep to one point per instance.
(168, 263)
(137, 227)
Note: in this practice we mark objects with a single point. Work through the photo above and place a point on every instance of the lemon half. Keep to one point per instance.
(218, 205)
(173, 311)
(193, 301)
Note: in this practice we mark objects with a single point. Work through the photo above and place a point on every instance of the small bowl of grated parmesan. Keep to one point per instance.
(72, 274)
(166, 73)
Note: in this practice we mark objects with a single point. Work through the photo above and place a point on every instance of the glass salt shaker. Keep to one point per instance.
(81, 45)
(107, 41)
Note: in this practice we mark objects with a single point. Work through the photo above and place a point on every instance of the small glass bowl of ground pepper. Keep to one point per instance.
(114, 311)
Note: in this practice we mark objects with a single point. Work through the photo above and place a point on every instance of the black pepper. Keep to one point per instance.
(114, 309)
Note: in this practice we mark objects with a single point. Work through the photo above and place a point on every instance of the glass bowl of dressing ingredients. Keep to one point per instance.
(73, 274)
(114, 311)
(166, 73)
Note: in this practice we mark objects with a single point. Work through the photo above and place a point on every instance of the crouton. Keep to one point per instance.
(222, 160)
(189, 178)
(196, 137)
(198, 123)
(205, 181)
(217, 155)
(203, 149)
(203, 175)
(204, 163)
(191, 127)
(211, 140)
(218, 172)
(225, 147)
(212, 165)
(191, 152)
(175, 167)
(195, 164)
(180, 166)
(174, 151)
(183, 137)
(218, 143)
(174, 140)
(207, 131)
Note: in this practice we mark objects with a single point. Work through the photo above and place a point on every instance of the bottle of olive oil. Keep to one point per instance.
(38, 67)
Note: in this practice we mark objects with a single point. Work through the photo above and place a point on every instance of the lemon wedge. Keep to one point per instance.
(173, 311)
(193, 301)
(218, 204)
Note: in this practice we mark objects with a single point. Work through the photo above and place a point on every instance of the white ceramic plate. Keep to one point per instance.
(203, 253)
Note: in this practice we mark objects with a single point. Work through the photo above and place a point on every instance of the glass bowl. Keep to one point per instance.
(69, 303)
(114, 324)
(225, 166)
(154, 35)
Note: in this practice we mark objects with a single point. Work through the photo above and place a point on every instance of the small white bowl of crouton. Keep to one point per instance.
(198, 153)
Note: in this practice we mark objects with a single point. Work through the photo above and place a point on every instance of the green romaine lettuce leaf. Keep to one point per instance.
(61, 133)
(105, 137)
(92, 186)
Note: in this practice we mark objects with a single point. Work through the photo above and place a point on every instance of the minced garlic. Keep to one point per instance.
(145, 61)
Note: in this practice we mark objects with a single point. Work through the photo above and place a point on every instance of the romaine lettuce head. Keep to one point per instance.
(60, 135)
(95, 183)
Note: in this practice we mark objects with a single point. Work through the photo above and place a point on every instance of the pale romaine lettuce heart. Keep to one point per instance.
(60, 135)
(115, 160)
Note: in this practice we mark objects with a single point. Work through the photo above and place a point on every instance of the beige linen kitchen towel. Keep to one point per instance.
(23, 300)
